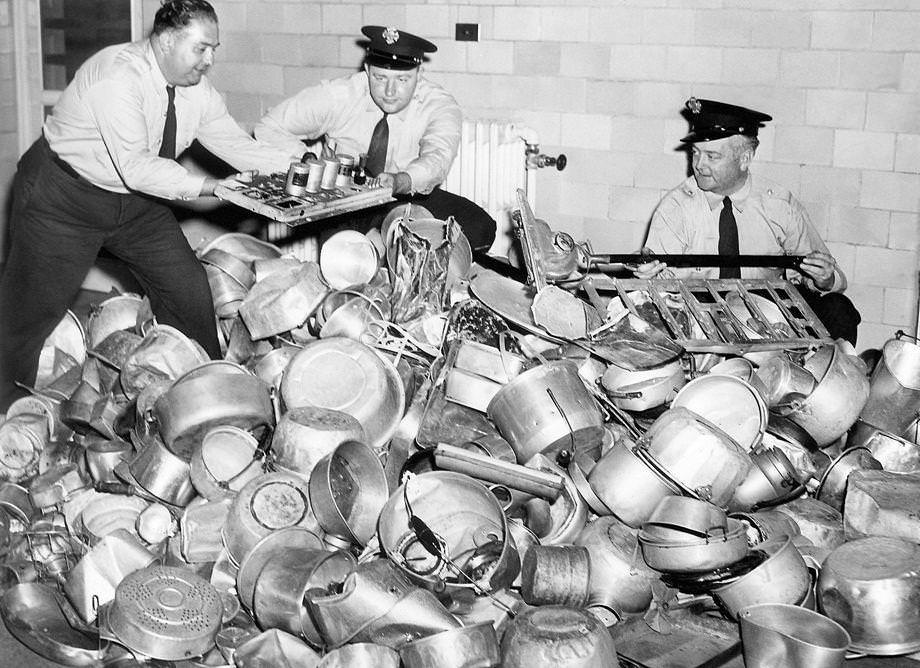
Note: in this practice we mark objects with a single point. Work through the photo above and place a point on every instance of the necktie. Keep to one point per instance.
(168, 147)
(377, 151)
(728, 238)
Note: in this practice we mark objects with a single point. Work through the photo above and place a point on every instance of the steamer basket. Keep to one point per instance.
(165, 613)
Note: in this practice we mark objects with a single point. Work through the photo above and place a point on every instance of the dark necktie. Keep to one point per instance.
(377, 151)
(728, 238)
(168, 147)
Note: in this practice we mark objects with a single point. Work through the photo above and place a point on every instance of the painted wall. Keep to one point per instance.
(604, 81)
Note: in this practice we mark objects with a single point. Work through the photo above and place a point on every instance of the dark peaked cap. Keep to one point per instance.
(395, 49)
(711, 120)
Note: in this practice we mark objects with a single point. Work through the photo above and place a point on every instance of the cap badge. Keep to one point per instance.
(694, 105)
(390, 35)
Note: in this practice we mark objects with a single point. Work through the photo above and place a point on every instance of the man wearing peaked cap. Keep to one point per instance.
(724, 208)
(407, 126)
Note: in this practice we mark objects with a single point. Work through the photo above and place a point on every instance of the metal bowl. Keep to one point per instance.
(348, 376)
(305, 435)
(775, 634)
(553, 635)
(348, 258)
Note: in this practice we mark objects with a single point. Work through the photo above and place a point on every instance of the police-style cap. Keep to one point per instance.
(395, 49)
(714, 120)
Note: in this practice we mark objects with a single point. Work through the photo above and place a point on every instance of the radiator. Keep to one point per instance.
(490, 166)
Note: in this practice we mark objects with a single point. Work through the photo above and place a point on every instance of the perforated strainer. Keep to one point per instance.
(165, 613)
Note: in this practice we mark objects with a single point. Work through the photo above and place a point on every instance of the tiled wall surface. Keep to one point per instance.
(603, 81)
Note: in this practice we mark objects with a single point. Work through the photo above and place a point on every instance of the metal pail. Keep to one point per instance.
(894, 390)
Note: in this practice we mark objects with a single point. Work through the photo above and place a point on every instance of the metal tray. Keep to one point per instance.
(265, 196)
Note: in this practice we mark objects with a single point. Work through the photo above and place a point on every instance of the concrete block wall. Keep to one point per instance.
(604, 82)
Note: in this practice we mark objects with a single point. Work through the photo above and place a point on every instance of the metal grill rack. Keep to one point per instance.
(716, 326)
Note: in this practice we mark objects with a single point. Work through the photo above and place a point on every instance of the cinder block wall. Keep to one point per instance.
(604, 83)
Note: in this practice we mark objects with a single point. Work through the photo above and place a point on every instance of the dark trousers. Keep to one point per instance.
(58, 225)
(476, 223)
(835, 311)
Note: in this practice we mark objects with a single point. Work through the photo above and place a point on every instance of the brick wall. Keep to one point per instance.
(604, 80)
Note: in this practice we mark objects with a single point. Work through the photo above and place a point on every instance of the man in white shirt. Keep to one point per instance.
(408, 127)
(723, 208)
(97, 178)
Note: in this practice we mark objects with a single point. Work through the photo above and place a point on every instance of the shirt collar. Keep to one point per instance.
(159, 80)
(739, 198)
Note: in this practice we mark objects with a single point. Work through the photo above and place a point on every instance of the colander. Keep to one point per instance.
(165, 613)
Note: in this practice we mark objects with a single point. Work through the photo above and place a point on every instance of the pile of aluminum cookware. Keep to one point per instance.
(349, 488)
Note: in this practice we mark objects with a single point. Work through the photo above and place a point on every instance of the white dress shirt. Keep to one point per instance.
(771, 221)
(108, 126)
(423, 138)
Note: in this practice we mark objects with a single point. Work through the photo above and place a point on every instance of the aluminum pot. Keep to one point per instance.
(470, 526)
(783, 379)
(870, 586)
(641, 389)
(547, 409)
(618, 578)
(894, 389)
(163, 474)
(837, 400)
(283, 300)
(667, 551)
(775, 634)
(165, 352)
(894, 453)
(781, 578)
(226, 460)
(348, 488)
(271, 365)
(473, 646)
(279, 598)
(557, 636)
(695, 454)
(627, 486)
(832, 486)
(729, 403)
(305, 435)
(771, 478)
(266, 504)
(348, 376)
(377, 603)
(192, 407)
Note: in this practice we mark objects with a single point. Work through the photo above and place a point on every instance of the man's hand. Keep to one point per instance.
(820, 268)
(401, 182)
(207, 188)
(651, 269)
